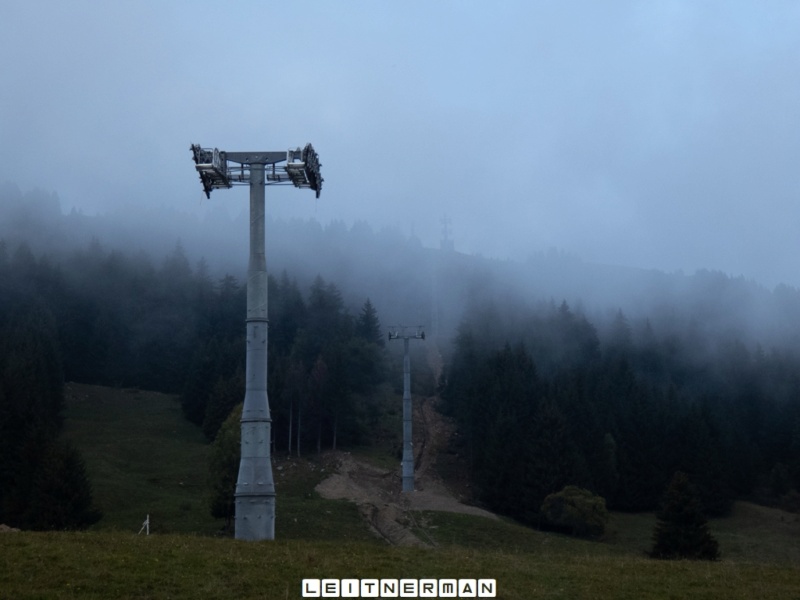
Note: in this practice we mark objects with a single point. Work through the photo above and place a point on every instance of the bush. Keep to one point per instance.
(576, 511)
(790, 502)
(223, 467)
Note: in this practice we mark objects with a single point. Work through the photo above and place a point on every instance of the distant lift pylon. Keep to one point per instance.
(395, 333)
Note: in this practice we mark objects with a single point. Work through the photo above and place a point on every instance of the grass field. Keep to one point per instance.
(144, 458)
(112, 565)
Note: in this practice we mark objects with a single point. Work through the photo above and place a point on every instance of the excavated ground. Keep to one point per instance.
(376, 491)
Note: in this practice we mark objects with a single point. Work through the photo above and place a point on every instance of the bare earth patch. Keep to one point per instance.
(377, 492)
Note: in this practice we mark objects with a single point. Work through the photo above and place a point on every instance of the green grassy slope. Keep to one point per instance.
(144, 458)
(112, 565)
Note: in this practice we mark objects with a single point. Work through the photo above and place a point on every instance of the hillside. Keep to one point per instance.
(698, 373)
(144, 457)
(139, 441)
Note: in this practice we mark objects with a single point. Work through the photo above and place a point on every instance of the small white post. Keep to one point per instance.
(146, 525)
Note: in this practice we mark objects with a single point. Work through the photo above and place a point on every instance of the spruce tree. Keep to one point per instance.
(368, 326)
(552, 455)
(61, 493)
(31, 404)
(682, 528)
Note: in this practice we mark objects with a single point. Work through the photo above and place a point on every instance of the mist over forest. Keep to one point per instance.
(607, 377)
(402, 277)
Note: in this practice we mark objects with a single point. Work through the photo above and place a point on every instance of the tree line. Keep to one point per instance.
(103, 317)
(323, 362)
(544, 396)
(43, 479)
(543, 400)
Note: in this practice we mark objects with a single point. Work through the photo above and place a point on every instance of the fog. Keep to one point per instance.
(407, 282)
(636, 135)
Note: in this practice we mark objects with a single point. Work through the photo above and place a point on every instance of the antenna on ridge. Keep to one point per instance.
(446, 243)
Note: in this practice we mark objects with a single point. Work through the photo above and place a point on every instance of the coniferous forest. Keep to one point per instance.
(103, 317)
(545, 392)
(555, 403)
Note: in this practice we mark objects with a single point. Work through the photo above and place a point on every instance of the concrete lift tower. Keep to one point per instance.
(255, 487)
(396, 333)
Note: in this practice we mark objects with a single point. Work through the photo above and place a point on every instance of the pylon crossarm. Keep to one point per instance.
(219, 169)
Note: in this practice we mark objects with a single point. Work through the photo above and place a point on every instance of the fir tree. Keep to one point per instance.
(682, 528)
(368, 326)
(553, 457)
(31, 404)
(61, 493)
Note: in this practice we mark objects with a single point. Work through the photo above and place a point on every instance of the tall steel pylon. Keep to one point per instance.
(255, 486)
(408, 446)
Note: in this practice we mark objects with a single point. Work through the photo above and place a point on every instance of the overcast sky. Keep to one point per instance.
(657, 134)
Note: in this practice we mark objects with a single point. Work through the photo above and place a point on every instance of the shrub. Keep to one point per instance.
(223, 467)
(790, 502)
(576, 511)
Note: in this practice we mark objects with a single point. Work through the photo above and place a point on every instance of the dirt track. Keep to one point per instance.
(376, 491)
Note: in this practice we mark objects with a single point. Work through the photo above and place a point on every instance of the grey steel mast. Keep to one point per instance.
(255, 486)
(408, 447)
